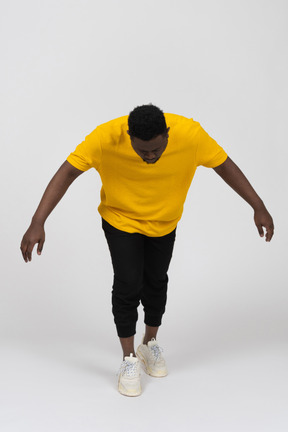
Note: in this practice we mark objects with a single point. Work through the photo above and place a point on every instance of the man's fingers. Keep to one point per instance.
(269, 233)
(34, 234)
(29, 251)
(263, 219)
(23, 247)
(23, 250)
(260, 230)
(40, 247)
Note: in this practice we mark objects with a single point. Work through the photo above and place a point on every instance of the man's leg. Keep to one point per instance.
(127, 344)
(150, 332)
(127, 254)
(158, 254)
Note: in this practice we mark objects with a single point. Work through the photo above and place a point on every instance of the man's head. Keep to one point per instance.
(148, 132)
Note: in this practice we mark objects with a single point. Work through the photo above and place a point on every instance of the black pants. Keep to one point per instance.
(140, 266)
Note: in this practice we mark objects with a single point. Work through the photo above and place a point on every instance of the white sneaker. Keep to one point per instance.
(129, 377)
(151, 358)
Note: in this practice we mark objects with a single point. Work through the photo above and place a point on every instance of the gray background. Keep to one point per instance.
(68, 66)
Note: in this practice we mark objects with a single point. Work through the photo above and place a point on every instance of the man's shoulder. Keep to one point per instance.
(113, 128)
(181, 124)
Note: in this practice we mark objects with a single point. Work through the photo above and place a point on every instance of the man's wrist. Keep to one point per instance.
(258, 205)
(37, 221)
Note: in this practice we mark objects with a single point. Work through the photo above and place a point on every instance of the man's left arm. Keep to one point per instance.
(234, 177)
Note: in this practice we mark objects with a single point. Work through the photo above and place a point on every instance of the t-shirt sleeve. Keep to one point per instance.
(88, 153)
(209, 153)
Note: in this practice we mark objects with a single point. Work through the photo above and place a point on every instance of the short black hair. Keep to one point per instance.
(146, 122)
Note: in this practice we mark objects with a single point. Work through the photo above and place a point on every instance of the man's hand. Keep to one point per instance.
(263, 218)
(55, 190)
(235, 178)
(34, 234)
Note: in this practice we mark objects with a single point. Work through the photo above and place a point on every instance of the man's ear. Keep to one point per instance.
(131, 137)
(166, 133)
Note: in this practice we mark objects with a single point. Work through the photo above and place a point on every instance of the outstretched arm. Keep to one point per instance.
(235, 178)
(55, 190)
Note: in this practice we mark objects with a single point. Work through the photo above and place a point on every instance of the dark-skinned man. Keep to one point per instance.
(146, 162)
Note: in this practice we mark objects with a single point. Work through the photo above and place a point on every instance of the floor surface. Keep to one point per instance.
(61, 386)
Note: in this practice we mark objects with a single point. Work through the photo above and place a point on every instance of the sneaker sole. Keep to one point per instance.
(129, 395)
(123, 392)
(146, 367)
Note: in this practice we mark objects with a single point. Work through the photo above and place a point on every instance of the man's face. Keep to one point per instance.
(150, 151)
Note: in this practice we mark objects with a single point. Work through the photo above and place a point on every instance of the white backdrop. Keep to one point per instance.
(69, 65)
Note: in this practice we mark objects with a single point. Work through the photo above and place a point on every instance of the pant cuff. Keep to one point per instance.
(152, 320)
(126, 331)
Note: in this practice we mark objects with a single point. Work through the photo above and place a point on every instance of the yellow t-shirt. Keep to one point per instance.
(140, 197)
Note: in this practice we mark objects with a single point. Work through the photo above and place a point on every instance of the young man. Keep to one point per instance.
(146, 162)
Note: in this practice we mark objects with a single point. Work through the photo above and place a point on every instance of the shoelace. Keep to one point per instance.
(156, 350)
(129, 368)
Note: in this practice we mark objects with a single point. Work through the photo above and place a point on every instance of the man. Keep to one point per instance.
(146, 171)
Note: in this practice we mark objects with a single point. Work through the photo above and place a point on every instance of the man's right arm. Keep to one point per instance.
(52, 195)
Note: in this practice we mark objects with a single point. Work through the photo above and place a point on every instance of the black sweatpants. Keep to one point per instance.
(140, 266)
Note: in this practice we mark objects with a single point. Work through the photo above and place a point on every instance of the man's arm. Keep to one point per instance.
(55, 190)
(235, 178)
